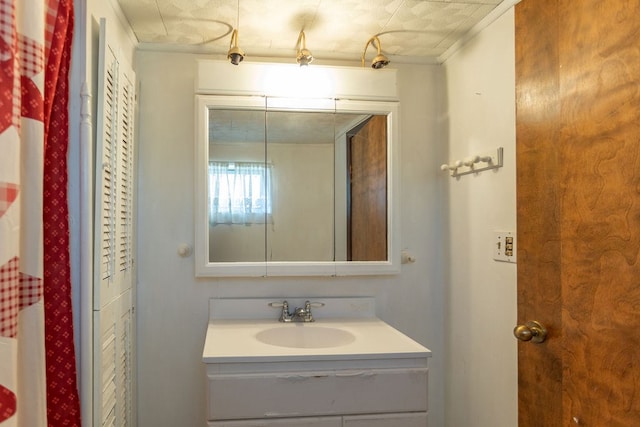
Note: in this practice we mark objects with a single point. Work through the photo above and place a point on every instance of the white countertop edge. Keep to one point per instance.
(315, 357)
(233, 341)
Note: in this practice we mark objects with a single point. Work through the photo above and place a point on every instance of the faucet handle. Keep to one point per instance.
(279, 304)
(310, 304)
(284, 315)
(307, 309)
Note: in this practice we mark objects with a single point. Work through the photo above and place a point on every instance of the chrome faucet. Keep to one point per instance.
(299, 314)
(284, 314)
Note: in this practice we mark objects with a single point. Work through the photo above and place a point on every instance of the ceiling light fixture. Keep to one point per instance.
(304, 56)
(380, 60)
(235, 54)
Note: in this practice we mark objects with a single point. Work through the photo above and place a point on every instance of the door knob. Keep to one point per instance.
(531, 331)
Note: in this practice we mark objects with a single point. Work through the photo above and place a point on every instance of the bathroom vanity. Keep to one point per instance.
(349, 371)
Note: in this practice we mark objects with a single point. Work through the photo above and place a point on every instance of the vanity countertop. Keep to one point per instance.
(236, 341)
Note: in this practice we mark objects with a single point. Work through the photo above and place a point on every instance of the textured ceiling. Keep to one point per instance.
(335, 29)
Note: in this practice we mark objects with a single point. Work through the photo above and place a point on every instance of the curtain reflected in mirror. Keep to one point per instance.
(239, 193)
(238, 188)
(288, 186)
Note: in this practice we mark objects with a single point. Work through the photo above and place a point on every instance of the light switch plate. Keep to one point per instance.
(504, 246)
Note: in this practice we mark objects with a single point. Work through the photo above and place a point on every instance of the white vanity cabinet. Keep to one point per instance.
(261, 372)
(383, 420)
(339, 393)
(418, 419)
(282, 422)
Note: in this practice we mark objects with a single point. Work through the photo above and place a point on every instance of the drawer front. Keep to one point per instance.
(291, 394)
(418, 419)
(287, 422)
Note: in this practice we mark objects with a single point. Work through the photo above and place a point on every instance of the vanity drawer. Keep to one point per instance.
(281, 422)
(418, 419)
(309, 393)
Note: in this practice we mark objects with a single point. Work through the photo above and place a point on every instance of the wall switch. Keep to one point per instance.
(504, 246)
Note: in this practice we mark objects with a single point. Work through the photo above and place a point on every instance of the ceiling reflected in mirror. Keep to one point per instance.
(291, 128)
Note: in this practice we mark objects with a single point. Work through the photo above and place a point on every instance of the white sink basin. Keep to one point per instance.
(246, 330)
(305, 336)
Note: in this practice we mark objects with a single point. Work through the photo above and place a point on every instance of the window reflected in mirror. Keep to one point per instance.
(239, 193)
(239, 199)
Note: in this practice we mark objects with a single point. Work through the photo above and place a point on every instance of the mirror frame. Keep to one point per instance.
(205, 268)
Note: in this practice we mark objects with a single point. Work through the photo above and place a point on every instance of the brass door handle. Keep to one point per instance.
(531, 331)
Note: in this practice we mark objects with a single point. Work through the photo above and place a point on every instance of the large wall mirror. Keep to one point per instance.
(293, 187)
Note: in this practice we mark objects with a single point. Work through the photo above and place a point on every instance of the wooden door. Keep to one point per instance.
(367, 200)
(578, 197)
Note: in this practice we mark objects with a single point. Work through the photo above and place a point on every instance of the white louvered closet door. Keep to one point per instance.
(113, 239)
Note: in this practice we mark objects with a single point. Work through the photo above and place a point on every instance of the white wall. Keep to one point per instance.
(481, 368)
(172, 309)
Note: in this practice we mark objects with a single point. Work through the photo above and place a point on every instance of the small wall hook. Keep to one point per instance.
(474, 164)
(470, 161)
(406, 257)
(184, 250)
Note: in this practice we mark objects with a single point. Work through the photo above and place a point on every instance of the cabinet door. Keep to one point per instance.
(417, 419)
(282, 422)
(317, 393)
(114, 291)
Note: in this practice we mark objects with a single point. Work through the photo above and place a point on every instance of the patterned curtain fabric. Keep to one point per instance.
(37, 360)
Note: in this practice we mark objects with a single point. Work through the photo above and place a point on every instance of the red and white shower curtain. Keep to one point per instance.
(37, 361)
